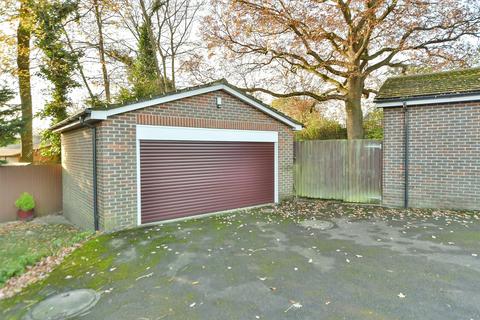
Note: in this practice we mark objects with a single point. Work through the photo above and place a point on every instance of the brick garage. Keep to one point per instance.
(218, 112)
(443, 134)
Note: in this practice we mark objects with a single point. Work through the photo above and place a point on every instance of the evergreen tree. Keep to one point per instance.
(142, 73)
(58, 64)
(11, 124)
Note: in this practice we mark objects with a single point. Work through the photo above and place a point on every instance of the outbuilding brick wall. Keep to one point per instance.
(444, 156)
(117, 186)
(77, 183)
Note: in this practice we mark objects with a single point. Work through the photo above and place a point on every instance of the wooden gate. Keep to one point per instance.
(349, 170)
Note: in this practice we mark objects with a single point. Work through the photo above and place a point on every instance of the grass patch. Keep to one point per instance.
(23, 244)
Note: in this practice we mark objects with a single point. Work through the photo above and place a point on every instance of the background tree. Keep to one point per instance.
(24, 33)
(335, 47)
(58, 63)
(168, 25)
(298, 108)
(11, 124)
(98, 6)
(317, 126)
(373, 124)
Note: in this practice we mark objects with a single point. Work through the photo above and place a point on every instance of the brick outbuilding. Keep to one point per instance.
(200, 150)
(432, 140)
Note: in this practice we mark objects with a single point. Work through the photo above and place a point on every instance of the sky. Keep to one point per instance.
(40, 87)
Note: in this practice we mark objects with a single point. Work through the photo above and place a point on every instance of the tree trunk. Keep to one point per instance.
(79, 66)
(101, 50)
(23, 64)
(173, 85)
(353, 108)
(164, 70)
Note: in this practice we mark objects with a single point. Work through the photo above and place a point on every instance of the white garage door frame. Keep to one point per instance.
(146, 132)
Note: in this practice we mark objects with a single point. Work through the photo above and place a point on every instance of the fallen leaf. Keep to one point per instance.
(295, 305)
(145, 276)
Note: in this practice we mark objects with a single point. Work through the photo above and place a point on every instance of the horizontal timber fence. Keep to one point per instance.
(348, 170)
(44, 182)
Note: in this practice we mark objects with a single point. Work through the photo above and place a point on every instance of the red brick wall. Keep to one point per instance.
(117, 147)
(77, 175)
(444, 152)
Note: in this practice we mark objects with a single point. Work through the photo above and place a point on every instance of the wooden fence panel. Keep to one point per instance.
(44, 182)
(349, 170)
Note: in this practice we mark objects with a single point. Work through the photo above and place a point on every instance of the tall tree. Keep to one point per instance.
(146, 35)
(58, 63)
(175, 19)
(169, 25)
(24, 32)
(10, 123)
(337, 45)
(101, 48)
(144, 73)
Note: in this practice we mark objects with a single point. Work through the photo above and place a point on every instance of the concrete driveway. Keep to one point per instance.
(280, 263)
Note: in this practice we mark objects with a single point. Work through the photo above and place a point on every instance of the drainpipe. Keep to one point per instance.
(94, 173)
(406, 156)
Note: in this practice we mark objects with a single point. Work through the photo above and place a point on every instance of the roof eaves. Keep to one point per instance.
(70, 119)
(430, 99)
(153, 97)
(94, 112)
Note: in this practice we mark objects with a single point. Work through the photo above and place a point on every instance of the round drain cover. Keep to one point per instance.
(64, 305)
(317, 224)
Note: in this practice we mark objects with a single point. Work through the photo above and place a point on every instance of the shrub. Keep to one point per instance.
(25, 202)
(320, 128)
(373, 125)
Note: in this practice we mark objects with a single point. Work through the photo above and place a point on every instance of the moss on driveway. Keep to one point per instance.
(23, 244)
(374, 263)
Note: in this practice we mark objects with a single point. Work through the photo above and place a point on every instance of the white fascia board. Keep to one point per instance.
(98, 114)
(432, 100)
(66, 127)
(145, 132)
(104, 114)
(72, 124)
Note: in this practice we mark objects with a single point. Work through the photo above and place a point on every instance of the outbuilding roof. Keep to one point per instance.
(102, 113)
(439, 87)
(439, 83)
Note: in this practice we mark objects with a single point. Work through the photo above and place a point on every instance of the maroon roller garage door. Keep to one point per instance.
(185, 178)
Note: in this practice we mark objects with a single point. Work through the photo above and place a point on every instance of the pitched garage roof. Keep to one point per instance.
(432, 86)
(102, 113)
